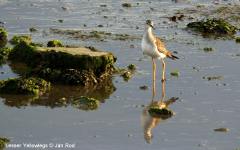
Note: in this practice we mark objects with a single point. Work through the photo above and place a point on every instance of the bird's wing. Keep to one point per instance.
(162, 48)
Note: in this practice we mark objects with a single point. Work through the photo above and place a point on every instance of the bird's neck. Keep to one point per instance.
(148, 30)
(148, 33)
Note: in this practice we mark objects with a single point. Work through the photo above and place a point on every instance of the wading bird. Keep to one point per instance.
(153, 47)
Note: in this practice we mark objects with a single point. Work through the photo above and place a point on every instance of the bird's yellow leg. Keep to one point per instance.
(154, 69)
(154, 91)
(163, 72)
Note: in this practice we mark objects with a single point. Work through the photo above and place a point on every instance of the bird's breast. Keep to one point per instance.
(150, 48)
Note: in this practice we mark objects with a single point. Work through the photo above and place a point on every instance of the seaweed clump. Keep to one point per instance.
(237, 39)
(3, 142)
(157, 112)
(17, 39)
(127, 5)
(213, 77)
(174, 73)
(221, 129)
(3, 34)
(54, 43)
(208, 49)
(4, 52)
(33, 29)
(24, 86)
(214, 25)
(3, 37)
(85, 103)
(132, 67)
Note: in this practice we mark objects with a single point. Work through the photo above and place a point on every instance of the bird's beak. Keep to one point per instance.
(152, 27)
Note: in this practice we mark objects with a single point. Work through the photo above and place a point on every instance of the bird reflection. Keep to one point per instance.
(148, 122)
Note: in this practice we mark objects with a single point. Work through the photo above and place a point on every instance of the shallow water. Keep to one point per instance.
(202, 105)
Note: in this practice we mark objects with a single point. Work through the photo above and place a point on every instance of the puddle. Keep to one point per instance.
(202, 106)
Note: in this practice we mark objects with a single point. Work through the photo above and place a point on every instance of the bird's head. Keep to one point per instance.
(149, 23)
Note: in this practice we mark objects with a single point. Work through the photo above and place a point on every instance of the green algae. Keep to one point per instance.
(221, 129)
(24, 86)
(17, 39)
(213, 26)
(54, 43)
(174, 73)
(227, 9)
(60, 20)
(3, 142)
(33, 29)
(85, 103)
(127, 74)
(213, 77)
(132, 67)
(199, 5)
(175, 52)
(127, 5)
(207, 49)
(64, 65)
(23, 52)
(4, 52)
(103, 5)
(157, 112)
(3, 38)
(237, 39)
(3, 34)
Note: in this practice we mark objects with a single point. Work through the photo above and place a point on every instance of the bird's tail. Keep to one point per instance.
(175, 57)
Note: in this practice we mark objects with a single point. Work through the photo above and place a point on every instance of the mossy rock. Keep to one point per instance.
(23, 52)
(127, 5)
(3, 34)
(17, 39)
(4, 52)
(3, 142)
(86, 65)
(85, 103)
(3, 38)
(33, 29)
(163, 113)
(24, 86)
(132, 67)
(215, 25)
(54, 43)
